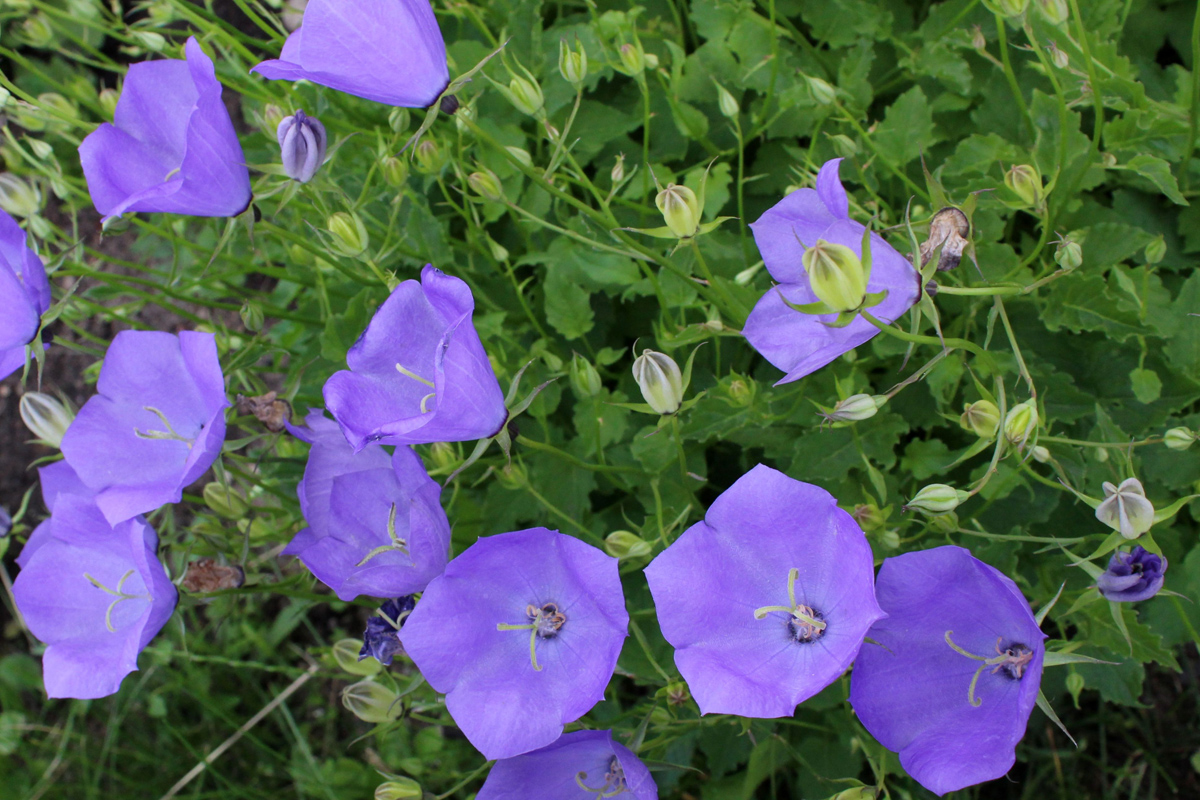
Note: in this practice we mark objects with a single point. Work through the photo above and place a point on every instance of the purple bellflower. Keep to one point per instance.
(57, 480)
(156, 424)
(95, 594)
(521, 633)
(171, 146)
(375, 521)
(419, 373)
(582, 765)
(24, 295)
(1133, 576)
(389, 51)
(956, 671)
(381, 639)
(800, 343)
(766, 601)
(302, 143)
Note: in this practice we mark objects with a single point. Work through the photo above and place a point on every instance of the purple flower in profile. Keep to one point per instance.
(1133, 576)
(24, 295)
(156, 424)
(582, 765)
(95, 594)
(57, 480)
(302, 143)
(521, 633)
(375, 521)
(800, 343)
(418, 374)
(389, 51)
(381, 639)
(956, 670)
(171, 147)
(766, 601)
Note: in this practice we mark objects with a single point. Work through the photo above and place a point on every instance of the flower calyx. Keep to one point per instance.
(839, 279)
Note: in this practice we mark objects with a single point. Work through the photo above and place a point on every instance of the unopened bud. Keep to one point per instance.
(746, 276)
(843, 145)
(981, 417)
(836, 275)
(345, 653)
(108, 98)
(1011, 8)
(225, 500)
(302, 145)
(1075, 683)
(350, 236)
(398, 789)
(19, 197)
(371, 702)
(513, 476)
(822, 93)
(624, 544)
(1059, 56)
(498, 251)
(741, 391)
(1056, 12)
(395, 171)
(521, 154)
(1020, 423)
(37, 31)
(651, 60)
(944, 523)
(399, 119)
(42, 150)
(1175, 439)
(633, 58)
(855, 793)
(585, 380)
(935, 499)
(443, 456)
(1041, 454)
(1025, 182)
(1126, 509)
(1156, 251)
(154, 42)
(251, 313)
(525, 95)
(46, 417)
(486, 185)
(1068, 254)
(854, 408)
(660, 380)
(430, 158)
(572, 62)
(890, 539)
(680, 209)
(727, 103)
(618, 171)
(977, 39)
(869, 517)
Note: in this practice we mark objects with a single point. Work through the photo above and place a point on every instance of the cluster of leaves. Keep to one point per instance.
(1106, 348)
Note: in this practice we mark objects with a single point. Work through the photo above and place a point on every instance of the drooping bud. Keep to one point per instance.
(624, 544)
(1041, 454)
(37, 31)
(498, 251)
(1020, 423)
(1025, 182)
(680, 209)
(525, 95)
(935, 499)
(843, 145)
(486, 185)
(855, 793)
(252, 316)
(660, 380)
(727, 103)
(836, 275)
(1175, 439)
(1068, 254)
(1059, 56)
(618, 171)
(633, 58)
(1126, 509)
(948, 230)
(19, 197)
(854, 408)
(585, 380)
(350, 236)
(521, 154)
(890, 539)
(1156, 251)
(430, 158)
(345, 653)
(399, 119)
(977, 39)
(513, 476)
(395, 171)
(1056, 12)
(982, 417)
(443, 456)
(398, 789)
(46, 417)
(225, 500)
(371, 702)
(822, 93)
(572, 63)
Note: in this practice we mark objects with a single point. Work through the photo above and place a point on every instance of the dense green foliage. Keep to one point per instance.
(1107, 349)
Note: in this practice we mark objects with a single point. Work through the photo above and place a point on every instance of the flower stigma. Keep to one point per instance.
(424, 400)
(805, 624)
(169, 434)
(395, 543)
(117, 593)
(614, 781)
(1012, 661)
(544, 622)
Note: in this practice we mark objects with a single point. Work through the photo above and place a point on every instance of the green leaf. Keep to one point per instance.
(342, 330)
(1146, 385)
(907, 127)
(1158, 172)
(568, 305)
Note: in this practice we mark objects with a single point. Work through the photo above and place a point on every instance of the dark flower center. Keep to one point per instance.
(547, 620)
(614, 781)
(802, 628)
(1015, 659)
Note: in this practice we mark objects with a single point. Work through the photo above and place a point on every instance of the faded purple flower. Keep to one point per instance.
(799, 343)
(381, 639)
(376, 524)
(156, 424)
(1133, 576)
(418, 374)
(171, 147)
(956, 670)
(302, 144)
(766, 601)
(389, 51)
(95, 594)
(521, 633)
(24, 295)
(582, 765)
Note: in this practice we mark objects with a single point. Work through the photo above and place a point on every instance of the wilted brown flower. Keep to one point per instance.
(948, 230)
(268, 409)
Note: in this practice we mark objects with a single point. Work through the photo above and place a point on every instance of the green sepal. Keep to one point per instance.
(709, 227)
(1059, 658)
(843, 319)
(658, 233)
(435, 108)
(1119, 618)
(874, 298)
(1044, 611)
(1110, 543)
(1164, 514)
(865, 259)
(818, 308)
(1048, 710)
(1091, 501)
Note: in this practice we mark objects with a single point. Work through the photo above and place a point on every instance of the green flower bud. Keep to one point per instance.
(822, 93)
(270, 117)
(935, 499)
(345, 653)
(836, 275)
(854, 408)
(395, 171)
(944, 523)
(618, 171)
(46, 417)
(1126, 509)
(1041, 454)
(982, 417)
(633, 59)
(746, 276)
(681, 209)
(1100, 454)
(1026, 183)
(624, 544)
(251, 313)
(869, 517)
(1175, 439)
(513, 476)
(430, 158)
(1059, 56)
(651, 60)
(525, 95)
(1009, 8)
(350, 236)
(486, 185)
(660, 380)
(498, 251)
(37, 31)
(521, 154)
(399, 119)
(1068, 254)
(977, 39)
(41, 149)
(890, 539)
(226, 501)
(19, 197)
(727, 103)
(585, 380)
(1020, 423)
(741, 391)
(398, 789)
(1156, 250)
(443, 456)
(572, 63)
(1075, 684)
(371, 702)
(1056, 12)
(855, 793)
(154, 42)
(843, 145)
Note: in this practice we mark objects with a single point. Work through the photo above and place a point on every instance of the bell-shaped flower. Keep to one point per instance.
(521, 633)
(95, 594)
(583, 765)
(171, 146)
(381, 638)
(766, 600)
(419, 373)
(956, 669)
(302, 143)
(24, 295)
(661, 382)
(57, 480)
(1126, 509)
(1133, 576)
(375, 521)
(800, 343)
(156, 424)
(389, 51)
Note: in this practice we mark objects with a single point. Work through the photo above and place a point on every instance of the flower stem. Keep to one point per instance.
(960, 344)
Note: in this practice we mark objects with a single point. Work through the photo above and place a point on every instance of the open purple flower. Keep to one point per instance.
(155, 426)
(582, 765)
(418, 374)
(57, 480)
(381, 639)
(521, 633)
(389, 51)
(800, 343)
(766, 600)
(24, 295)
(1133, 576)
(171, 147)
(95, 594)
(956, 670)
(375, 522)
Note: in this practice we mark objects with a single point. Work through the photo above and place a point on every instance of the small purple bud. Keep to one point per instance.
(302, 142)
(1133, 576)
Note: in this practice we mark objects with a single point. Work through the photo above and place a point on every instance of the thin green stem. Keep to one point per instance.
(1002, 36)
(950, 344)
(1194, 110)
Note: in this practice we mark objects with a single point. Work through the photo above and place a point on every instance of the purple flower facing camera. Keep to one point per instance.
(766, 601)
(956, 669)
(156, 424)
(1133, 576)
(582, 765)
(24, 295)
(521, 633)
(171, 147)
